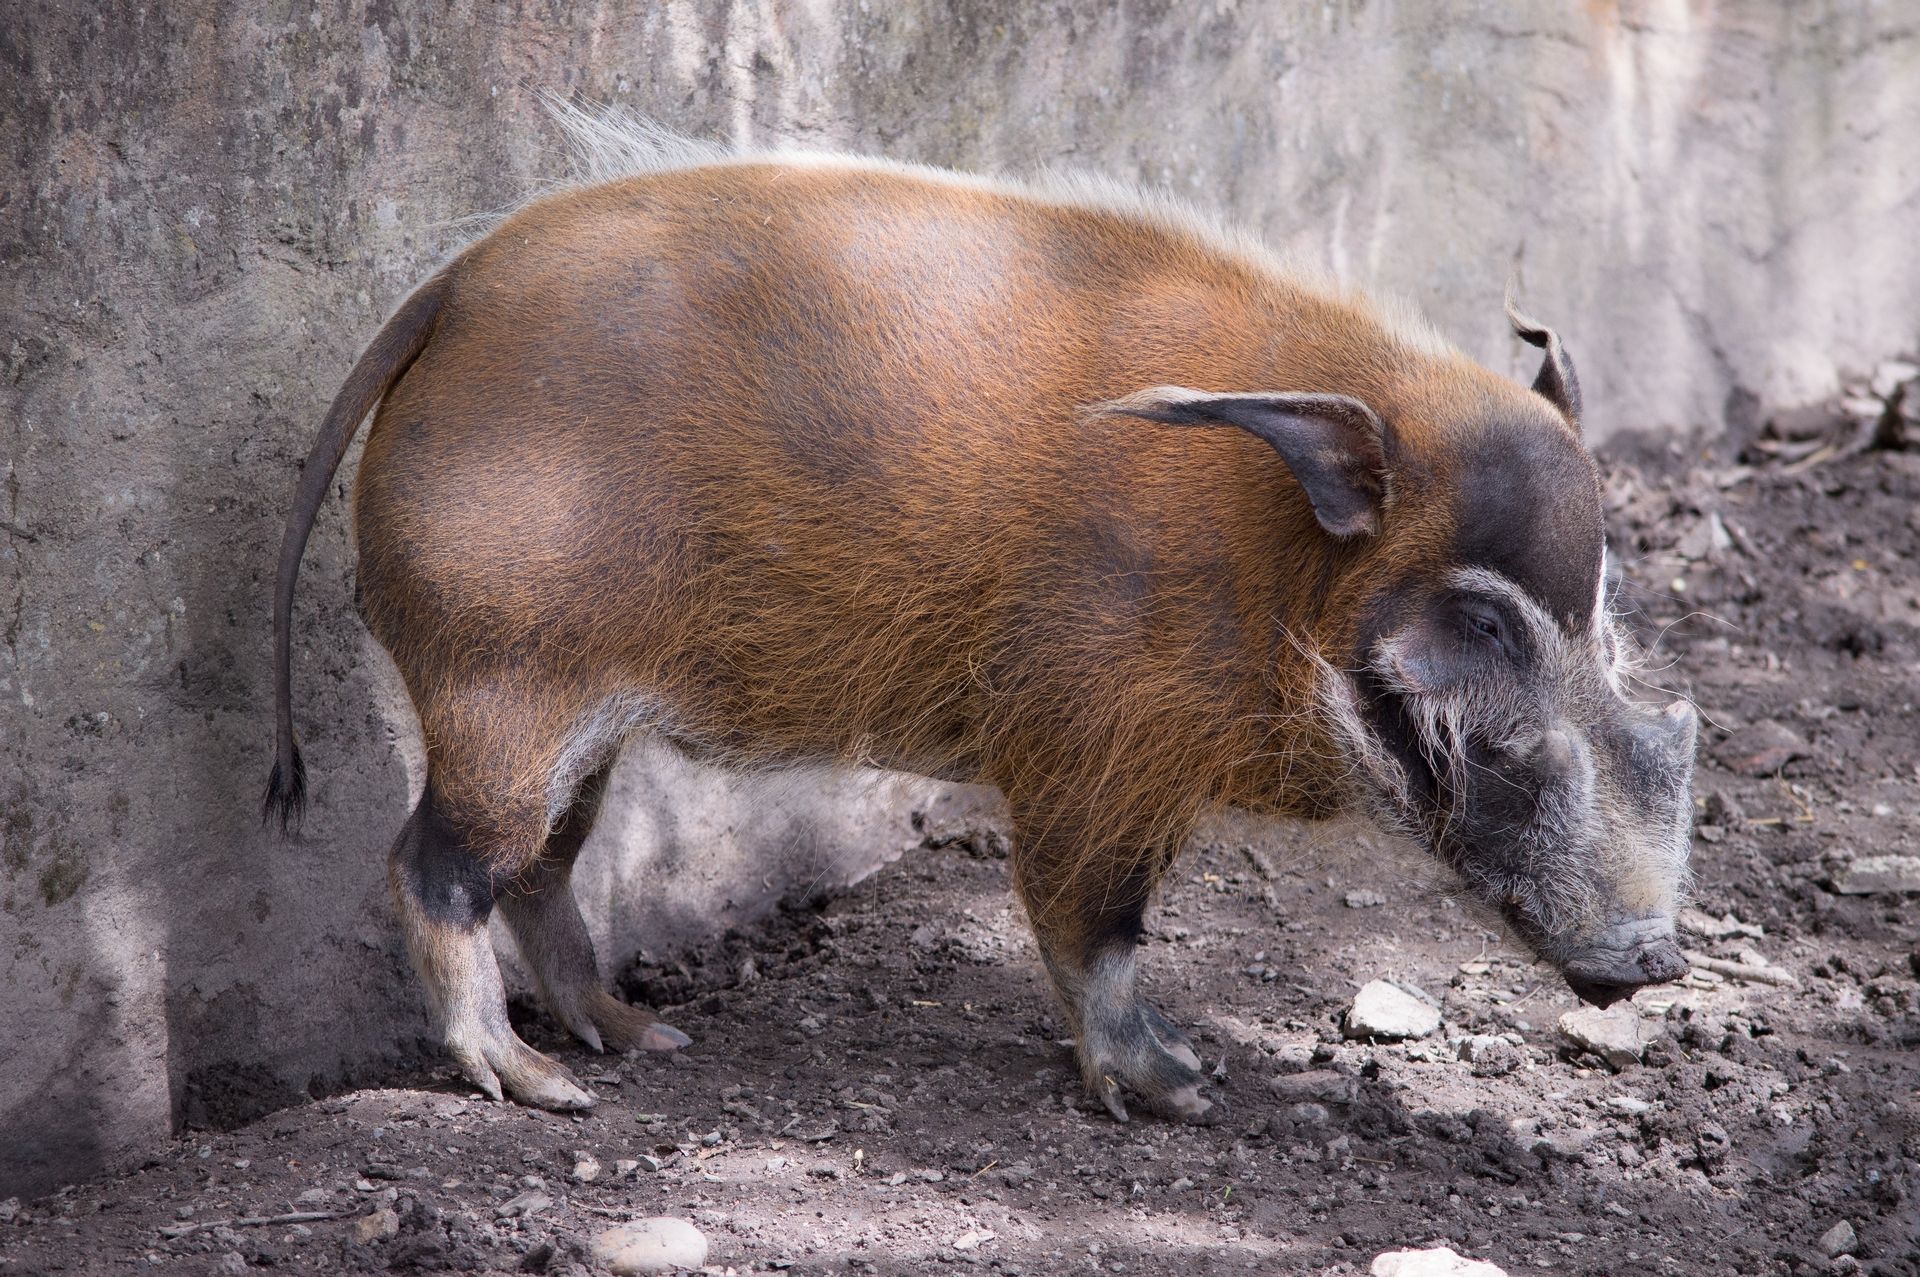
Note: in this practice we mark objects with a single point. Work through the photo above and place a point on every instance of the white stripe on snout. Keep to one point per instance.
(1600, 599)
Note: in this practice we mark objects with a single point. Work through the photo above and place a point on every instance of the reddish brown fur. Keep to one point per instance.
(805, 454)
(804, 457)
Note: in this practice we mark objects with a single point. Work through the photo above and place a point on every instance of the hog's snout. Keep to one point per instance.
(1626, 956)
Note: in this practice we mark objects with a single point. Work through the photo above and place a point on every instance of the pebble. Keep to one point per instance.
(625, 1166)
(1383, 1010)
(1839, 1240)
(1873, 875)
(1364, 898)
(1617, 1034)
(586, 1170)
(1434, 1261)
(1489, 1055)
(656, 1245)
(1721, 928)
(375, 1225)
(527, 1203)
(1627, 1105)
(1322, 1086)
(1762, 749)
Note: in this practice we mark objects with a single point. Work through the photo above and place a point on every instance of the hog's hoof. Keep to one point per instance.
(513, 1069)
(1140, 1053)
(629, 1028)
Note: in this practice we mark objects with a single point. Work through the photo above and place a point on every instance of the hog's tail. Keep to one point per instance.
(389, 355)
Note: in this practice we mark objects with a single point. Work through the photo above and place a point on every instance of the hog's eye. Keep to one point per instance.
(1483, 625)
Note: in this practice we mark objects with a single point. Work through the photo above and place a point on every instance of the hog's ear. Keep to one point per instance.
(1556, 381)
(1334, 445)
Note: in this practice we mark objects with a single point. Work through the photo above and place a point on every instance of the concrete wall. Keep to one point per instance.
(207, 209)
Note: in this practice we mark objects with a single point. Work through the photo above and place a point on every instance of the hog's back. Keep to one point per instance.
(801, 451)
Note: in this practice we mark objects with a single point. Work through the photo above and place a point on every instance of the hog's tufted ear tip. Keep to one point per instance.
(1556, 381)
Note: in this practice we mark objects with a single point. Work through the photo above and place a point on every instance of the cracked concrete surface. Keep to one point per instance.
(209, 209)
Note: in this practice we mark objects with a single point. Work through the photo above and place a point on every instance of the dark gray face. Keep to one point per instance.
(1487, 712)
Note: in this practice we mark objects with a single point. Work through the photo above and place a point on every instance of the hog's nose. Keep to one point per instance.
(1627, 956)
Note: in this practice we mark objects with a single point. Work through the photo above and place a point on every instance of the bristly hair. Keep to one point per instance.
(609, 142)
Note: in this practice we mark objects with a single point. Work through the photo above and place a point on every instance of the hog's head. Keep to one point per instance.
(1483, 705)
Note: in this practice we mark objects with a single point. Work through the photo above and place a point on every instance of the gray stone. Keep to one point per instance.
(1318, 1085)
(1762, 748)
(585, 1170)
(1489, 1055)
(1364, 898)
(1875, 875)
(531, 1202)
(658, 1245)
(1839, 1240)
(1617, 1035)
(1433, 1261)
(1385, 1010)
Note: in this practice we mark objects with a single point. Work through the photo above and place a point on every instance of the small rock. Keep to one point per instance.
(586, 1170)
(1707, 539)
(656, 1245)
(925, 936)
(1322, 1086)
(1435, 1261)
(1489, 1055)
(1712, 1144)
(313, 1197)
(1364, 898)
(1839, 1240)
(1762, 749)
(1722, 928)
(1566, 1144)
(375, 1225)
(1873, 875)
(648, 1163)
(1308, 1113)
(1383, 1010)
(1627, 1105)
(625, 1166)
(528, 1203)
(971, 1240)
(1617, 1035)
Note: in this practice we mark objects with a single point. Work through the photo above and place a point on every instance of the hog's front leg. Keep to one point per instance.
(1086, 911)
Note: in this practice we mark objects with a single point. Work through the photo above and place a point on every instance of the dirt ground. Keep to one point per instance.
(878, 1082)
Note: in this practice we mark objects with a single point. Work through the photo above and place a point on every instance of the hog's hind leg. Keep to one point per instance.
(1088, 925)
(444, 886)
(540, 907)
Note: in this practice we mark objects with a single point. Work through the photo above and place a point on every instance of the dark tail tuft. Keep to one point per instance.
(286, 799)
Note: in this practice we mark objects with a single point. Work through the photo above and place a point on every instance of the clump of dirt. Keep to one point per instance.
(879, 1083)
